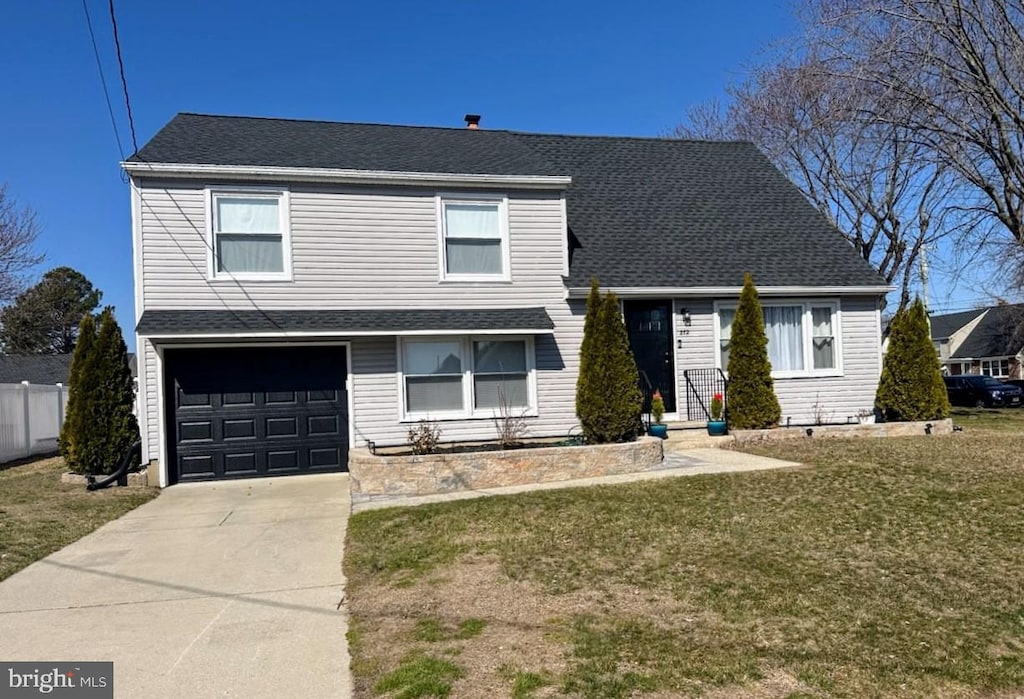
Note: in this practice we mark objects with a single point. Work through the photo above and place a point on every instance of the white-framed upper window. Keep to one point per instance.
(999, 368)
(460, 377)
(473, 240)
(249, 234)
(803, 337)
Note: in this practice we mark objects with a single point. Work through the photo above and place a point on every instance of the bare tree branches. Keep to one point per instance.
(18, 232)
(901, 120)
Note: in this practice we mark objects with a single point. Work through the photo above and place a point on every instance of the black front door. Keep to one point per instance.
(649, 324)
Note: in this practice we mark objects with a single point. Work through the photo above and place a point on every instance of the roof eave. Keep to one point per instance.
(340, 175)
(705, 291)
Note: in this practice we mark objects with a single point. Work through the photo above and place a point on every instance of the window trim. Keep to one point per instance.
(283, 196)
(468, 412)
(441, 201)
(998, 361)
(807, 330)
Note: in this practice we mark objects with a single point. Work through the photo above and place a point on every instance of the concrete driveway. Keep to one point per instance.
(226, 589)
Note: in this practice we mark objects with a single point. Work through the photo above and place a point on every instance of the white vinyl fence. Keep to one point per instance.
(31, 416)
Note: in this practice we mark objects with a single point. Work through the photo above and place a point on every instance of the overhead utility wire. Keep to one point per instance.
(103, 79)
(124, 83)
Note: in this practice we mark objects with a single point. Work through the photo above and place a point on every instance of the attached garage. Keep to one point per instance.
(255, 411)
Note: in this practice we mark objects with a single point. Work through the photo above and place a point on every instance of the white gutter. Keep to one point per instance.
(719, 291)
(305, 334)
(341, 176)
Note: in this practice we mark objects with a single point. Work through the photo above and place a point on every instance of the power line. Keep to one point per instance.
(124, 83)
(103, 79)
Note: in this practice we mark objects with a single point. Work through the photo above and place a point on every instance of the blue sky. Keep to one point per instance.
(593, 67)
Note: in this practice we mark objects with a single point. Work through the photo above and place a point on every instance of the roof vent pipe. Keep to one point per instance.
(472, 121)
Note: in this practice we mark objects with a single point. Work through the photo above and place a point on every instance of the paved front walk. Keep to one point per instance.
(211, 590)
(678, 462)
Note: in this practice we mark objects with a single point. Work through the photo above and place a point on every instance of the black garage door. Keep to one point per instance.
(245, 412)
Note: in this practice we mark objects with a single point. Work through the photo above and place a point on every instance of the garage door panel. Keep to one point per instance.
(256, 411)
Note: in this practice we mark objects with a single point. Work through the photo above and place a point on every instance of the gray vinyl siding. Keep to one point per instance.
(376, 388)
(350, 248)
(840, 397)
(367, 248)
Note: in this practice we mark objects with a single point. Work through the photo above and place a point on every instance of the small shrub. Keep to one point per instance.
(717, 406)
(657, 406)
(752, 401)
(510, 423)
(424, 437)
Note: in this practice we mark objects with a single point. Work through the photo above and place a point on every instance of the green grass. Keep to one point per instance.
(433, 630)
(1005, 420)
(420, 676)
(39, 514)
(890, 568)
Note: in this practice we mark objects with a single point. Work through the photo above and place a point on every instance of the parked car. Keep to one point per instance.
(1015, 382)
(982, 392)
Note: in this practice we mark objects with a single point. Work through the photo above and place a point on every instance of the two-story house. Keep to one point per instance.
(987, 341)
(305, 286)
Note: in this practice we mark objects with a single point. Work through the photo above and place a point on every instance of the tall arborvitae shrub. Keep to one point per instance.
(81, 388)
(911, 386)
(101, 426)
(751, 401)
(608, 397)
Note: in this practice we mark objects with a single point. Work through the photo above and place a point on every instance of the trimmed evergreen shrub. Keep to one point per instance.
(752, 403)
(81, 386)
(608, 397)
(99, 425)
(911, 386)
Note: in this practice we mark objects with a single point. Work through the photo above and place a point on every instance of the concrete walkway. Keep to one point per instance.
(678, 462)
(226, 589)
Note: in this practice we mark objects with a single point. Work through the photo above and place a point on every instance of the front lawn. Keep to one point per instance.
(39, 514)
(1003, 420)
(892, 567)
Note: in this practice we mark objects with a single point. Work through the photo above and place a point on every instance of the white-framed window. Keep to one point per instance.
(249, 234)
(473, 238)
(466, 376)
(803, 337)
(999, 368)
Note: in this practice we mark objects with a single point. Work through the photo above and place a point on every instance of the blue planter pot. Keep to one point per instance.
(717, 428)
(658, 430)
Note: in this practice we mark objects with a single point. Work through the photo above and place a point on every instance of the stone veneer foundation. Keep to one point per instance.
(882, 429)
(380, 476)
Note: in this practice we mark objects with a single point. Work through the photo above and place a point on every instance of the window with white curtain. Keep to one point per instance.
(466, 376)
(249, 234)
(801, 337)
(474, 241)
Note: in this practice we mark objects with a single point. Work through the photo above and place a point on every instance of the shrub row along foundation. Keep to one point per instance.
(376, 477)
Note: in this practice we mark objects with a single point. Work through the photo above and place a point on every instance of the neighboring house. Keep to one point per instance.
(987, 341)
(305, 286)
(47, 369)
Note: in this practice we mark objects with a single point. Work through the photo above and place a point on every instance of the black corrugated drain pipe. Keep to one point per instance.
(120, 474)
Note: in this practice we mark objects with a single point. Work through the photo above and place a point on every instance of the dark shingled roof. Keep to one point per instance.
(646, 211)
(36, 368)
(945, 325)
(999, 334)
(218, 140)
(192, 322)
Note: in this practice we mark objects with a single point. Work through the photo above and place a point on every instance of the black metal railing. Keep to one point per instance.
(701, 387)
